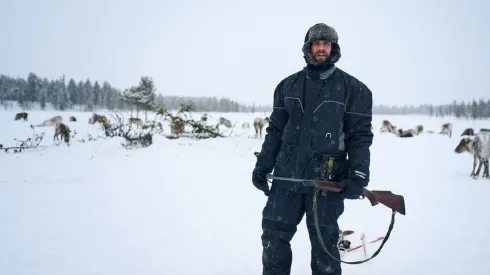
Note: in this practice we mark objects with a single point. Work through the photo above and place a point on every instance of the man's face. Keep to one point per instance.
(320, 50)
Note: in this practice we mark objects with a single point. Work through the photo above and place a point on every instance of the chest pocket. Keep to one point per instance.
(293, 104)
(327, 119)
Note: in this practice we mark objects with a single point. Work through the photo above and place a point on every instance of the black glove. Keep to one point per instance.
(259, 179)
(352, 189)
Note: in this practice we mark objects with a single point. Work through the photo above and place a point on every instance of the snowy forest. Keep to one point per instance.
(471, 109)
(90, 96)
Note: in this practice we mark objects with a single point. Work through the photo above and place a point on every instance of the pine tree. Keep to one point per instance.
(81, 95)
(97, 95)
(142, 96)
(72, 91)
(106, 90)
(131, 98)
(474, 110)
(89, 95)
(43, 97)
(147, 94)
(32, 89)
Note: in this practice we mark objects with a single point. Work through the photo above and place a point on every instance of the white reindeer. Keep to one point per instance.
(387, 127)
(50, 122)
(479, 147)
(259, 123)
(447, 129)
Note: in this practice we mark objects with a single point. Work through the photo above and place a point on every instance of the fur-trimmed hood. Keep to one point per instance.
(321, 31)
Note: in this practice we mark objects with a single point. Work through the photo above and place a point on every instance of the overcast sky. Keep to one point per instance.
(407, 52)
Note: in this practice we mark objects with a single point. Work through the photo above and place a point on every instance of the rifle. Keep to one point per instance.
(387, 198)
(395, 202)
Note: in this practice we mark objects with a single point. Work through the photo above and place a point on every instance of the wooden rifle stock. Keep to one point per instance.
(387, 198)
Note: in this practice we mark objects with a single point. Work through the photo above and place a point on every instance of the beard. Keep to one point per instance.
(320, 57)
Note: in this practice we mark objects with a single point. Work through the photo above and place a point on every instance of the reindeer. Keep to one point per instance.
(479, 147)
(468, 132)
(177, 127)
(97, 118)
(471, 132)
(137, 121)
(408, 133)
(50, 122)
(447, 129)
(387, 127)
(259, 123)
(72, 118)
(419, 128)
(224, 121)
(21, 116)
(63, 131)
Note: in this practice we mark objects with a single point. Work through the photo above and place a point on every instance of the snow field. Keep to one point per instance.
(188, 206)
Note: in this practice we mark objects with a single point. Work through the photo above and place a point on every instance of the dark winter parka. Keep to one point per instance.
(319, 112)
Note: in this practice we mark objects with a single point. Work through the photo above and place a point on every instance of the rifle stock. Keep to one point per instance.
(387, 198)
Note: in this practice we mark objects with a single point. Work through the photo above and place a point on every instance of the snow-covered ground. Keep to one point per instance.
(188, 206)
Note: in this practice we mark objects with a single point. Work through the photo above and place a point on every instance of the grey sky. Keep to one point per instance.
(407, 52)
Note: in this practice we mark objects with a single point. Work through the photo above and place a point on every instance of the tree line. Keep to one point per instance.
(91, 95)
(82, 95)
(472, 109)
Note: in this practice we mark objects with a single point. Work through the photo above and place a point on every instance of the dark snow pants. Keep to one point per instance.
(281, 215)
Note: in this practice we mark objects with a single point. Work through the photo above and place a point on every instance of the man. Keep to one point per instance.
(320, 129)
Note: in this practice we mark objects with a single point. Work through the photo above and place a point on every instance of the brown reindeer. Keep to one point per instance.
(177, 127)
(408, 133)
(21, 116)
(468, 132)
(137, 121)
(259, 123)
(447, 129)
(97, 118)
(63, 131)
(72, 118)
(471, 131)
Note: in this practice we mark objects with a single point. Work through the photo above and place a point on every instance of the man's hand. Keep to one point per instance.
(259, 179)
(352, 189)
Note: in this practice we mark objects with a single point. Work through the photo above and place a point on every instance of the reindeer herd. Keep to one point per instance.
(475, 143)
(258, 123)
(387, 127)
(61, 129)
(176, 127)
